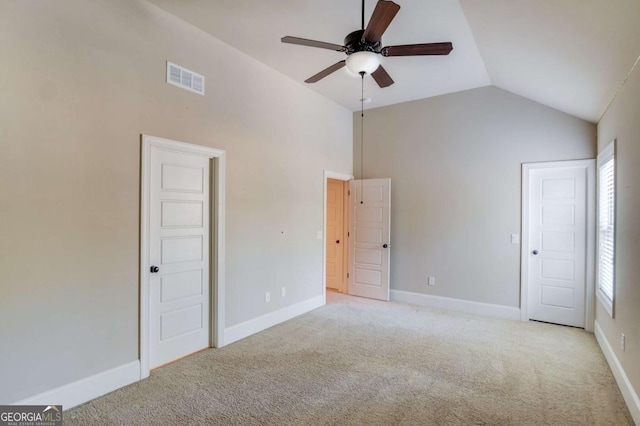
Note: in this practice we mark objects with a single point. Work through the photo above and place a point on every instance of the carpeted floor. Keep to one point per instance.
(358, 361)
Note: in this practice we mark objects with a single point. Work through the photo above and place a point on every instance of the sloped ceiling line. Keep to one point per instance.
(633, 68)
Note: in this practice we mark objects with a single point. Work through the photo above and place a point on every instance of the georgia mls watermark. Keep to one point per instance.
(30, 415)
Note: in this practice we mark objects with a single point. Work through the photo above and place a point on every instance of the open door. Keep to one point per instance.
(369, 243)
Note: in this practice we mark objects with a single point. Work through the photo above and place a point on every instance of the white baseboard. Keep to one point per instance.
(626, 388)
(253, 326)
(86, 389)
(460, 305)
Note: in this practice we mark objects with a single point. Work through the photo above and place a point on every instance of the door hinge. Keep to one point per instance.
(347, 275)
(348, 234)
(349, 192)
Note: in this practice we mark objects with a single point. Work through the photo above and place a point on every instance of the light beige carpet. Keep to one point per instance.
(357, 361)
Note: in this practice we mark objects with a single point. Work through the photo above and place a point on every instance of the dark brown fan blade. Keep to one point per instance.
(418, 49)
(312, 43)
(325, 72)
(382, 77)
(382, 16)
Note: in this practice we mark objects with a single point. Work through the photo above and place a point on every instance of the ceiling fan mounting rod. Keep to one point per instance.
(362, 15)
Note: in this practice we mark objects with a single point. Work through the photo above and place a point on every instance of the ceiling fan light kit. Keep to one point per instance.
(363, 62)
(364, 47)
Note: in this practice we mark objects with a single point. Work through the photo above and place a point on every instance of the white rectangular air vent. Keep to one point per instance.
(187, 79)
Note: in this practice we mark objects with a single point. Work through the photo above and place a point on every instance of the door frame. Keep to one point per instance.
(328, 174)
(217, 239)
(590, 166)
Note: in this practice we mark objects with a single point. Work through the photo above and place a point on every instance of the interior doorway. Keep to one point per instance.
(335, 241)
(335, 232)
(181, 250)
(558, 221)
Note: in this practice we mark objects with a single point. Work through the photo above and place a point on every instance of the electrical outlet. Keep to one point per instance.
(319, 235)
(267, 297)
(623, 341)
(283, 291)
(432, 281)
(515, 238)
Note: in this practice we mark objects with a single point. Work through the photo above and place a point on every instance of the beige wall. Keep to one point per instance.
(80, 81)
(455, 167)
(622, 123)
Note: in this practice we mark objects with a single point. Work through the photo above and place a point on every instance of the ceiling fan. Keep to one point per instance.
(364, 46)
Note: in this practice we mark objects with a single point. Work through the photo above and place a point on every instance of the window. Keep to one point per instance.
(606, 226)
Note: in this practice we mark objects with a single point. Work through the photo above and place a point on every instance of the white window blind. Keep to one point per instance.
(606, 226)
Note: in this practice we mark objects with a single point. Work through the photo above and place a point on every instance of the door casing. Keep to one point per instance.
(590, 166)
(217, 238)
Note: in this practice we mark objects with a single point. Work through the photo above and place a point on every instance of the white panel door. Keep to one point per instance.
(558, 245)
(369, 243)
(179, 255)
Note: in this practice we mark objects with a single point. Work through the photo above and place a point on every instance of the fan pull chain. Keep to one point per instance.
(361, 135)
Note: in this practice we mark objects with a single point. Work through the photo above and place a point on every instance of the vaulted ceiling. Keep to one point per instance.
(568, 54)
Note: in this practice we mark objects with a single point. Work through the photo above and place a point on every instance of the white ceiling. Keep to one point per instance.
(568, 54)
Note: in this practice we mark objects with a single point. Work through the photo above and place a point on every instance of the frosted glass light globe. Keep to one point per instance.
(366, 62)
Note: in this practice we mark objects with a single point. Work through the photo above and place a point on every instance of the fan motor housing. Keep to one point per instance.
(355, 42)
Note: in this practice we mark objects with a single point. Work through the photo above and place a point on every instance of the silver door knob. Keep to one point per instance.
(535, 252)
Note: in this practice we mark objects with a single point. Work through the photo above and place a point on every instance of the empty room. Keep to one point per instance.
(320, 212)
